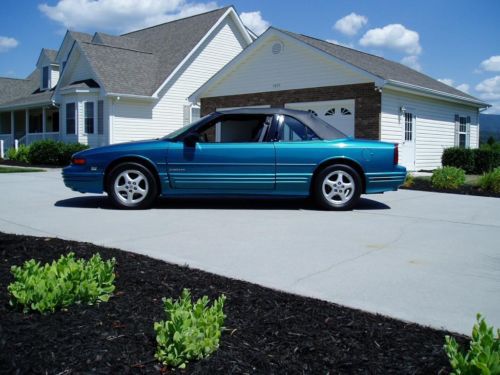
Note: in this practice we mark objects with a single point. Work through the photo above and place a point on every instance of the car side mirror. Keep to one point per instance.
(191, 140)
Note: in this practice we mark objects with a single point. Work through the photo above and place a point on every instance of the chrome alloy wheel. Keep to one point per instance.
(131, 186)
(338, 187)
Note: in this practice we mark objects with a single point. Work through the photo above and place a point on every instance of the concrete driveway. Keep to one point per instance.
(423, 257)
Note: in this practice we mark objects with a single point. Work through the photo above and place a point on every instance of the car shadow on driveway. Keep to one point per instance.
(102, 202)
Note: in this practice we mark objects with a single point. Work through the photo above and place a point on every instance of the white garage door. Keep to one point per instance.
(339, 113)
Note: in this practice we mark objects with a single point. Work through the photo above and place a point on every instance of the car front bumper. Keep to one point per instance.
(80, 179)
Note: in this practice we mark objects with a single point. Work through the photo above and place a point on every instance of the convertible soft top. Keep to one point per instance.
(320, 127)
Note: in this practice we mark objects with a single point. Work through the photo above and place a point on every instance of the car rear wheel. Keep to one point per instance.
(132, 186)
(337, 187)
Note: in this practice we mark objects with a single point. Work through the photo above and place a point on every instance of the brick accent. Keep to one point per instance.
(367, 103)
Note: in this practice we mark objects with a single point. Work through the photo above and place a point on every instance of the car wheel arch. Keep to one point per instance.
(340, 160)
(132, 159)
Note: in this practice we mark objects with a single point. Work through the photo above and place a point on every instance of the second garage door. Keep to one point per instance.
(339, 113)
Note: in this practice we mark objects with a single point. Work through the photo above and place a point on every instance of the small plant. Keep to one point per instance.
(448, 178)
(483, 357)
(491, 181)
(61, 283)
(191, 331)
(409, 181)
(21, 154)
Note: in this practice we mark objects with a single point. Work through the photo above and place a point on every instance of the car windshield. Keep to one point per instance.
(185, 129)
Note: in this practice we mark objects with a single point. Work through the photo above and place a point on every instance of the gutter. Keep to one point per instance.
(409, 88)
(26, 106)
(132, 96)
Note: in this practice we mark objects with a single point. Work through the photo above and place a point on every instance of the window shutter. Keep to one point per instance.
(186, 114)
(100, 117)
(457, 130)
(467, 141)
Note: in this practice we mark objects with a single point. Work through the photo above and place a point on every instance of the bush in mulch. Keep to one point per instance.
(424, 184)
(267, 331)
(448, 178)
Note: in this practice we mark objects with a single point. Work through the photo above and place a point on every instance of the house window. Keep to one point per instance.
(35, 121)
(100, 117)
(70, 118)
(195, 113)
(89, 117)
(45, 77)
(408, 126)
(312, 112)
(330, 112)
(345, 111)
(462, 132)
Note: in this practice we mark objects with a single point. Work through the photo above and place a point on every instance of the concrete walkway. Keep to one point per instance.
(423, 257)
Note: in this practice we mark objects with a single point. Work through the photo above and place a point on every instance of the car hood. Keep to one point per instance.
(122, 147)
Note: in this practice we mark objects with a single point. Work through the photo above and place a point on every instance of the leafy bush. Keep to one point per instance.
(409, 181)
(483, 356)
(61, 283)
(448, 178)
(191, 331)
(457, 157)
(53, 152)
(491, 181)
(21, 154)
(486, 159)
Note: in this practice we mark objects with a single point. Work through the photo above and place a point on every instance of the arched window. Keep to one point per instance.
(345, 111)
(330, 112)
(312, 112)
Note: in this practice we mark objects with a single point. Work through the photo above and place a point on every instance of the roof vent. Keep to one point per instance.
(277, 48)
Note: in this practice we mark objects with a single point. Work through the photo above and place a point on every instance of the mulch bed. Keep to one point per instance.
(425, 185)
(267, 331)
(15, 163)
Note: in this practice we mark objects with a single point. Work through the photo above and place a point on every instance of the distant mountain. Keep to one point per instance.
(489, 125)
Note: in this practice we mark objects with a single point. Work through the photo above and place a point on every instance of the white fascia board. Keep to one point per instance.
(26, 106)
(70, 90)
(422, 91)
(132, 96)
(240, 26)
(270, 32)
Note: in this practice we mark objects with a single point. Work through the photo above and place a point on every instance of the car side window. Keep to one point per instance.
(292, 130)
(236, 129)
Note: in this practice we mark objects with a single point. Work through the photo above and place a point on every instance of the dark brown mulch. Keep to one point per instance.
(425, 185)
(15, 163)
(267, 331)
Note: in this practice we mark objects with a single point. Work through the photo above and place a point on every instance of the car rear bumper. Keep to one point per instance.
(80, 179)
(385, 181)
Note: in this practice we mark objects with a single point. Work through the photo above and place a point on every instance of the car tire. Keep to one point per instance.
(132, 186)
(337, 187)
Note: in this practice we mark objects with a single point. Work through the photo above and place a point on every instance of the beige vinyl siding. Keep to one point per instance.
(435, 125)
(295, 67)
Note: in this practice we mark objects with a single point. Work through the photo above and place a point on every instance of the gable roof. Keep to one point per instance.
(378, 66)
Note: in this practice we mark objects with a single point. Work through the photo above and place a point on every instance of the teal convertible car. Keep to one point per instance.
(271, 152)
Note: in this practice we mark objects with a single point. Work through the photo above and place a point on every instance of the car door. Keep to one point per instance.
(296, 146)
(231, 154)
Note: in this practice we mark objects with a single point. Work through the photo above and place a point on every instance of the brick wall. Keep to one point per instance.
(367, 103)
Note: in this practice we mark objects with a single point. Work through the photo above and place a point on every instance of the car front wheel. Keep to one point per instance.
(131, 186)
(337, 187)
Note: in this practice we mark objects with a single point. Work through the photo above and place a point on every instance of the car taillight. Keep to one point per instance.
(78, 161)
(396, 154)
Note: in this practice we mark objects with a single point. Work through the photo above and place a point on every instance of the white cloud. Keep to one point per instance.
(412, 62)
(351, 24)
(120, 15)
(462, 87)
(492, 64)
(7, 43)
(334, 41)
(394, 36)
(494, 109)
(489, 89)
(255, 22)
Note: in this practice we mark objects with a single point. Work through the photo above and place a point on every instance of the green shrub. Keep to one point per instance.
(61, 283)
(483, 356)
(409, 181)
(448, 178)
(486, 159)
(21, 154)
(491, 181)
(457, 157)
(191, 331)
(53, 152)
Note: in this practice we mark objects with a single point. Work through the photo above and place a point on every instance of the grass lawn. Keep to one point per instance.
(266, 331)
(19, 170)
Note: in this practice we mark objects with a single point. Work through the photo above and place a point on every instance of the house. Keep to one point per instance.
(102, 89)
(363, 95)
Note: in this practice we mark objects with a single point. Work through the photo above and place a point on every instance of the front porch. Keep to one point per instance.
(25, 126)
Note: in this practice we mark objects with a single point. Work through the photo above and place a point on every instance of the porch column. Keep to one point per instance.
(27, 127)
(12, 127)
(44, 130)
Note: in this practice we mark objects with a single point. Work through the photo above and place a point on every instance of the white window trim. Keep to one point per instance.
(193, 106)
(459, 132)
(94, 117)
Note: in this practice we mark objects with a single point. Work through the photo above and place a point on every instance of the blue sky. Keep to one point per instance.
(457, 41)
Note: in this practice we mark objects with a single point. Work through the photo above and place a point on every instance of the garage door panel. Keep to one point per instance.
(339, 113)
